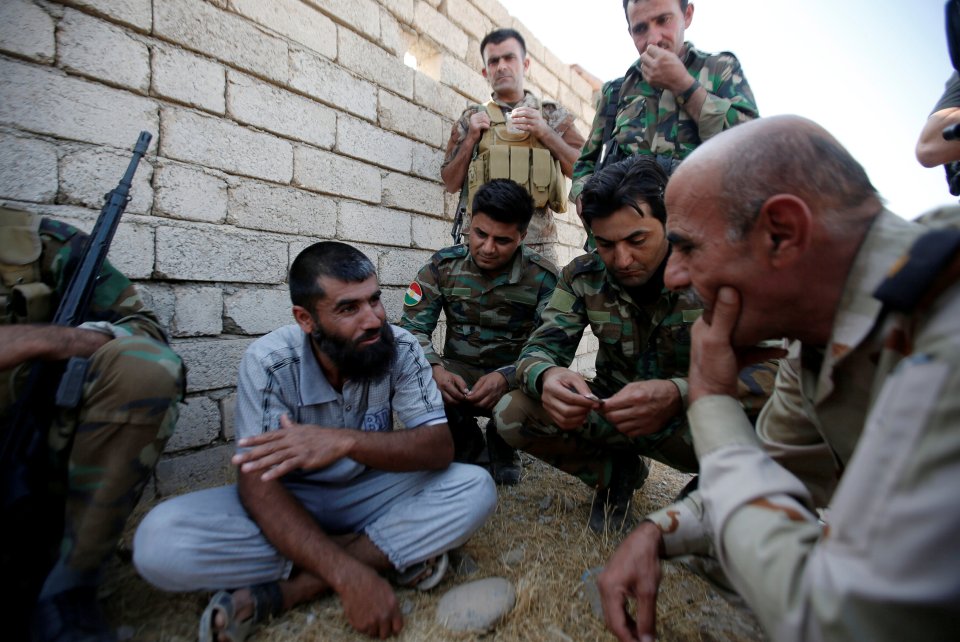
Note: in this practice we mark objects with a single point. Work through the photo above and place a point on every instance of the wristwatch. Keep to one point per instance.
(685, 96)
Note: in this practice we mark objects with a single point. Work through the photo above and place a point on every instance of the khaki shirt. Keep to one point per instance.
(866, 427)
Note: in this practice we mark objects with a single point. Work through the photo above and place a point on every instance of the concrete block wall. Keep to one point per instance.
(275, 124)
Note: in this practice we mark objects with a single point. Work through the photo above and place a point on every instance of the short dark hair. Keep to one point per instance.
(683, 6)
(326, 258)
(499, 35)
(504, 201)
(626, 183)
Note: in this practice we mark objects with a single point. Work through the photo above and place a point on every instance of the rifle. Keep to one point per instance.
(457, 230)
(34, 478)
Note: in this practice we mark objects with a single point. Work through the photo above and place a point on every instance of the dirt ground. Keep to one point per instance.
(538, 539)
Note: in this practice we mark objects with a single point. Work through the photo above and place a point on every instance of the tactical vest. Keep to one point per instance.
(519, 157)
(24, 298)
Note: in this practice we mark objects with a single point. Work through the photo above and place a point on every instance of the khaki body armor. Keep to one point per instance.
(519, 157)
(24, 298)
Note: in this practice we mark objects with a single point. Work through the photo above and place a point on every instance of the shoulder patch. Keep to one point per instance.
(451, 252)
(413, 295)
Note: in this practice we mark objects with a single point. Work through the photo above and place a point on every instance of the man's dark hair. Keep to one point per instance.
(327, 258)
(683, 6)
(627, 183)
(499, 35)
(504, 201)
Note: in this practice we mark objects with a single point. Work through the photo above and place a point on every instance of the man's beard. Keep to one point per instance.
(358, 364)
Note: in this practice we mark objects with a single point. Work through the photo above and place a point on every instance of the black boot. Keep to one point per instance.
(611, 505)
(504, 460)
(467, 440)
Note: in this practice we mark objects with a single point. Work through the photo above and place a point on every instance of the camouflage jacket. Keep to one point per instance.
(488, 319)
(649, 121)
(636, 342)
(116, 306)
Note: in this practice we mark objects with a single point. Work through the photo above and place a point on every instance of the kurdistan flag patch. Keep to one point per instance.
(413, 295)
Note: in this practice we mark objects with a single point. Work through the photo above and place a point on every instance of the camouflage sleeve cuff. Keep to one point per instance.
(713, 116)
(684, 528)
(531, 378)
(576, 186)
(684, 389)
(510, 374)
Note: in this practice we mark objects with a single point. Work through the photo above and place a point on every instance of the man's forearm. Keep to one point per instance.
(422, 448)
(455, 171)
(38, 341)
(564, 151)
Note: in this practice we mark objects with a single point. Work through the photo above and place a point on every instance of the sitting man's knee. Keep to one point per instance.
(510, 414)
(154, 556)
(136, 370)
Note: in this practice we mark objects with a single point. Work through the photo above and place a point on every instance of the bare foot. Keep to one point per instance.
(242, 610)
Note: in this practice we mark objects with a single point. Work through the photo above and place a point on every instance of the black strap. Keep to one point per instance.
(928, 268)
(610, 119)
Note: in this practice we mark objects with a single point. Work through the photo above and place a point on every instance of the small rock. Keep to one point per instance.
(463, 563)
(557, 634)
(546, 502)
(476, 606)
(590, 590)
(545, 519)
(569, 505)
(513, 557)
(406, 606)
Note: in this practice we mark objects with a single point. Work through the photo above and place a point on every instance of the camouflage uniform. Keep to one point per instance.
(867, 425)
(638, 342)
(488, 320)
(128, 412)
(649, 121)
(542, 233)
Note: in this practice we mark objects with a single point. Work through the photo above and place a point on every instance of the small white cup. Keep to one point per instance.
(511, 128)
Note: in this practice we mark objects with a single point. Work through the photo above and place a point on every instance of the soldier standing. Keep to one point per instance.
(671, 99)
(492, 292)
(537, 148)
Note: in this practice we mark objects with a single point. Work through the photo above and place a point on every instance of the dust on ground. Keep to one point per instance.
(538, 538)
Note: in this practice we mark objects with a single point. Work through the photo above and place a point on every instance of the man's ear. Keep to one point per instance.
(688, 16)
(304, 319)
(484, 71)
(526, 63)
(785, 223)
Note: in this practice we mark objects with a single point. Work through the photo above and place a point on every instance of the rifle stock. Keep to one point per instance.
(34, 479)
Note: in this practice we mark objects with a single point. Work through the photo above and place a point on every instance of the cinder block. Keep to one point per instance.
(556, 66)
(334, 174)
(361, 140)
(87, 173)
(135, 13)
(378, 225)
(408, 193)
(534, 46)
(92, 47)
(399, 267)
(295, 20)
(159, 298)
(195, 471)
(198, 311)
(212, 363)
(426, 161)
(361, 15)
(132, 250)
(27, 30)
(288, 210)
(257, 310)
(429, 22)
(228, 409)
(402, 10)
(431, 233)
(45, 101)
(400, 115)
(373, 63)
(211, 142)
(468, 18)
(331, 84)
(393, 36)
(439, 98)
(183, 77)
(282, 112)
(495, 11)
(202, 27)
(581, 87)
(457, 75)
(211, 253)
(548, 83)
(198, 424)
(189, 193)
(28, 169)
(392, 299)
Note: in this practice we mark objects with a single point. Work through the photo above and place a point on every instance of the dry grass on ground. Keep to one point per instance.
(539, 527)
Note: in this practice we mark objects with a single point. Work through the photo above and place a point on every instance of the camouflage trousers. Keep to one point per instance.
(127, 414)
(588, 452)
